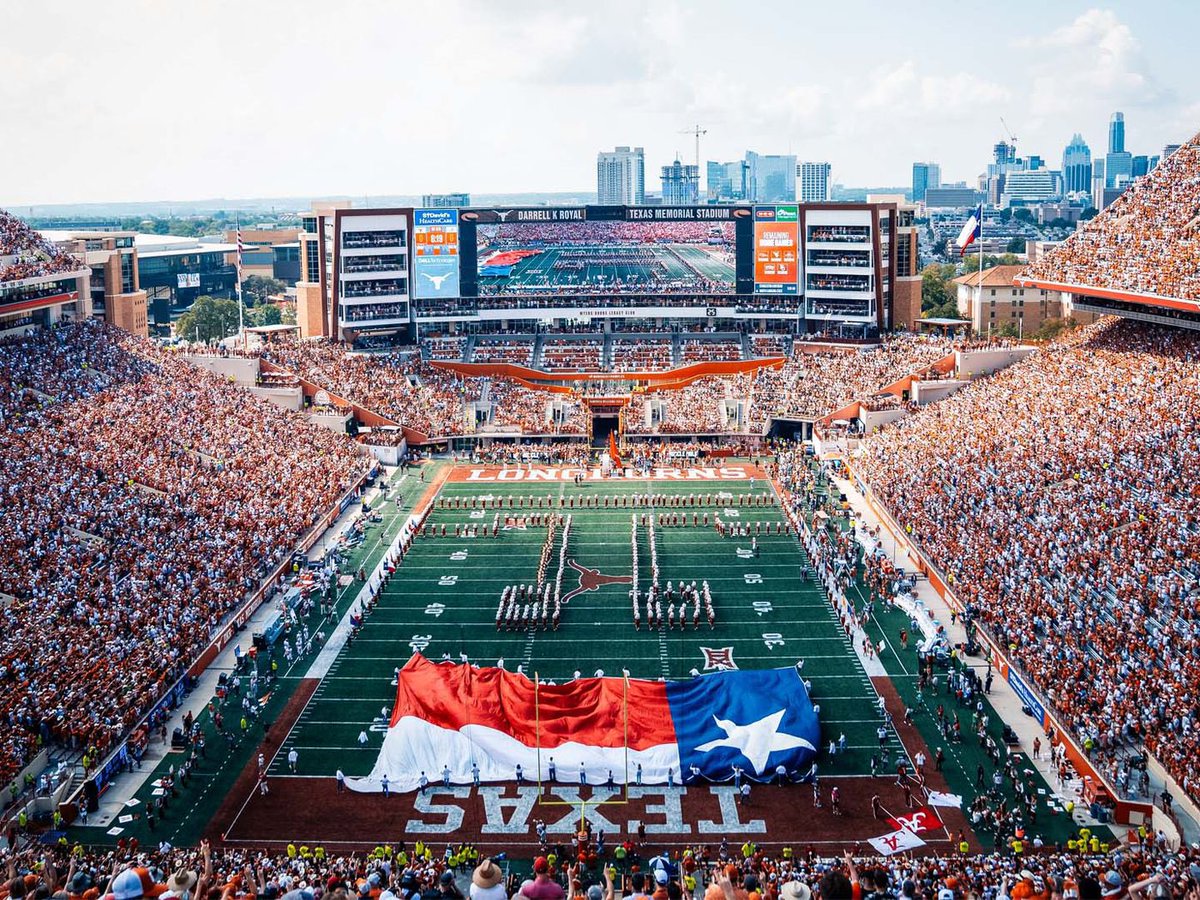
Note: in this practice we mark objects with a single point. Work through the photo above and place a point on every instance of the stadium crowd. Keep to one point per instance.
(24, 253)
(814, 384)
(1145, 242)
(396, 385)
(594, 866)
(1058, 498)
(143, 500)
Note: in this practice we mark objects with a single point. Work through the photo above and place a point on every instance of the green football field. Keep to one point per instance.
(673, 262)
(443, 600)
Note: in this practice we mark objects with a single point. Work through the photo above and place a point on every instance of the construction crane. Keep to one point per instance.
(696, 132)
(1012, 138)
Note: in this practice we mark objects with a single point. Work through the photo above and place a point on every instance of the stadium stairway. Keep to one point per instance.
(539, 342)
(468, 348)
(676, 348)
(606, 351)
(747, 346)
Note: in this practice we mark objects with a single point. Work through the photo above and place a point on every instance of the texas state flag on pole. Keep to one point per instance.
(452, 716)
(971, 230)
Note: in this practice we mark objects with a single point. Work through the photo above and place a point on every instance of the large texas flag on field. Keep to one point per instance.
(451, 715)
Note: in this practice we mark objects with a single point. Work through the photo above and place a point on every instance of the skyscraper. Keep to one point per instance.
(680, 184)
(1118, 163)
(926, 175)
(621, 177)
(814, 182)
(1116, 133)
(1077, 167)
(770, 179)
(726, 181)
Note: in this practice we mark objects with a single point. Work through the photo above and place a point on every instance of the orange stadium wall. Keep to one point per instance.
(1126, 811)
(536, 378)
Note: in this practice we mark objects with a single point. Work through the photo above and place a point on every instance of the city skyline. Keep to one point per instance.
(227, 115)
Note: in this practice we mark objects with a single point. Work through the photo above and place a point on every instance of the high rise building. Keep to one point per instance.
(770, 178)
(445, 201)
(1118, 168)
(680, 184)
(621, 177)
(1116, 133)
(814, 182)
(1169, 149)
(1077, 166)
(926, 175)
(726, 181)
(1118, 163)
(1141, 166)
(1098, 183)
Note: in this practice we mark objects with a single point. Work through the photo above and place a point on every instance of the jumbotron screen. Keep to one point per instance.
(607, 257)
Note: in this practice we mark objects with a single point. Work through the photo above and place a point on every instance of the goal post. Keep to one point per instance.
(623, 797)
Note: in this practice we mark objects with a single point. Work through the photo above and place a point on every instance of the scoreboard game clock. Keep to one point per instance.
(435, 253)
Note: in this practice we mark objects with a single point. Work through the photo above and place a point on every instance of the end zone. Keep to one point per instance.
(561, 474)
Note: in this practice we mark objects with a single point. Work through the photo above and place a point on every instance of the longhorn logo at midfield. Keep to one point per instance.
(593, 579)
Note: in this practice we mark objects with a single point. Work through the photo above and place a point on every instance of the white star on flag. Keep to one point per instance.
(756, 741)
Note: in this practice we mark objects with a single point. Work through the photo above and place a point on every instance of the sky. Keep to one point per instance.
(139, 100)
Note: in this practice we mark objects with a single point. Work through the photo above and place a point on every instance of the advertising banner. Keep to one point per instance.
(776, 250)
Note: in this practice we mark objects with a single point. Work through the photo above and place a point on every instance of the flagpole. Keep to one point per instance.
(241, 306)
(981, 205)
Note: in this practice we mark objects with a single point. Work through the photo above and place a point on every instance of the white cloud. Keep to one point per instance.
(1092, 64)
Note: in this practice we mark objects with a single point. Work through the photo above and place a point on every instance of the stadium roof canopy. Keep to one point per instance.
(1145, 248)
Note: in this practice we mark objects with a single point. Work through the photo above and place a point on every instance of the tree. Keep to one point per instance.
(264, 314)
(1023, 215)
(1090, 213)
(939, 296)
(209, 319)
(256, 289)
(1007, 330)
(1052, 328)
(1016, 245)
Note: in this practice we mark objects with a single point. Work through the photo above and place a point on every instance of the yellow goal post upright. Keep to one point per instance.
(583, 804)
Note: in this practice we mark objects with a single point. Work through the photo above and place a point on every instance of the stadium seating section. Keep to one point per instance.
(143, 500)
(1145, 242)
(1059, 499)
(24, 253)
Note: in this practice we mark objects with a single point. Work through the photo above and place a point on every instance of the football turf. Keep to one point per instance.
(443, 599)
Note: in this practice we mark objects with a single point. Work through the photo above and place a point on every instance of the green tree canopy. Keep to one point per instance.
(264, 314)
(209, 319)
(256, 289)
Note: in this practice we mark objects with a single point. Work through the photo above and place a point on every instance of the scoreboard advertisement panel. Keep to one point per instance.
(776, 250)
(435, 253)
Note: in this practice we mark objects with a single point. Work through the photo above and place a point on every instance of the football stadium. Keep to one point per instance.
(653, 551)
